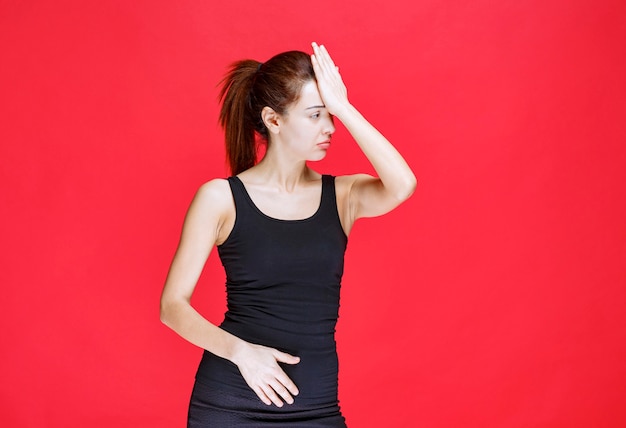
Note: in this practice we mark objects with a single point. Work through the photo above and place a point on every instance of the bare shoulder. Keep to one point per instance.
(215, 192)
(212, 212)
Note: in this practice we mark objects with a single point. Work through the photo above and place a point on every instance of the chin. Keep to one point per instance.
(317, 156)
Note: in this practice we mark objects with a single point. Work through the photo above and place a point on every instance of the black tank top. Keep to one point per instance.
(282, 281)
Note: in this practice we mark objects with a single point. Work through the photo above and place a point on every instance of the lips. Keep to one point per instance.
(324, 144)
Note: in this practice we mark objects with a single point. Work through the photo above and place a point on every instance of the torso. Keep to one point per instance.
(297, 204)
(283, 282)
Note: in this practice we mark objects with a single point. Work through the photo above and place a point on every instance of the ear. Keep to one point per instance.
(271, 119)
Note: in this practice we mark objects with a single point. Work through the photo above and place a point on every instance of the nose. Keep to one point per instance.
(329, 126)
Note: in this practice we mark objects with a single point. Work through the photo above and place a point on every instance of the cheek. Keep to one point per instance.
(304, 132)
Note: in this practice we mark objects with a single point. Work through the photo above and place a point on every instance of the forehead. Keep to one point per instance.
(309, 96)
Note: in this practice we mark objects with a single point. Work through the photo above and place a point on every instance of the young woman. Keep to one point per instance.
(281, 232)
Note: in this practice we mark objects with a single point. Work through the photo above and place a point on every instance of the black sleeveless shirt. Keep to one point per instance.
(282, 281)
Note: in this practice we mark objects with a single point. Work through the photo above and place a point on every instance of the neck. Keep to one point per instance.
(277, 169)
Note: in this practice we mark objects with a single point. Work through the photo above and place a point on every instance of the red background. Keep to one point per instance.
(495, 297)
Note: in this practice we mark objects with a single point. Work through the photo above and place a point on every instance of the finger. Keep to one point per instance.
(316, 65)
(262, 396)
(326, 55)
(317, 68)
(288, 383)
(284, 357)
(321, 56)
(331, 71)
(325, 60)
(271, 394)
(282, 391)
(315, 51)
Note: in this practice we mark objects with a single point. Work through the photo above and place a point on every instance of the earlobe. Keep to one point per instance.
(271, 119)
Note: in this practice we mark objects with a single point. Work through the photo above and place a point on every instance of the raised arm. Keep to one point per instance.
(208, 222)
(367, 196)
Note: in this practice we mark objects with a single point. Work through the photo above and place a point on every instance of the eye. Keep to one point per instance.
(315, 115)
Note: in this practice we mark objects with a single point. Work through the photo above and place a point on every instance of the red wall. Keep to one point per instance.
(495, 297)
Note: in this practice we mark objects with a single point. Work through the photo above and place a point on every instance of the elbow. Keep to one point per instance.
(407, 188)
(172, 311)
(165, 312)
(412, 185)
(174, 306)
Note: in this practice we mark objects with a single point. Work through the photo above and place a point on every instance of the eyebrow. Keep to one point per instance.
(309, 108)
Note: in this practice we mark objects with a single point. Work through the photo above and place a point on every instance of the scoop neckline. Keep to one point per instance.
(281, 220)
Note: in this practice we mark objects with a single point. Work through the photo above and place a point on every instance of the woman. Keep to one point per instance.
(281, 232)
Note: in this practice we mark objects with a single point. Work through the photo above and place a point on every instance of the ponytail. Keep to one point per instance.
(236, 115)
(246, 89)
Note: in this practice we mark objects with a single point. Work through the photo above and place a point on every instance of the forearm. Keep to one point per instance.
(393, 171)
(181, 317)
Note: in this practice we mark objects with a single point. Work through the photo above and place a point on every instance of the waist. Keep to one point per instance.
(316, 376)
(286, 336)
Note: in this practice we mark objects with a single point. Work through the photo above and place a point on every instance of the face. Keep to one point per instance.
(306, 128)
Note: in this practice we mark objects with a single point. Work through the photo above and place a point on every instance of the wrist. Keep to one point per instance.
(238, 349)
(345, 112)
(342, 109)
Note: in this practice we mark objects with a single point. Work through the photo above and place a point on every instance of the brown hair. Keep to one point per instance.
(246, 89)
